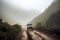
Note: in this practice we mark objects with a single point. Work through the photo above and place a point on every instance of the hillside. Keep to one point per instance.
(42, 18)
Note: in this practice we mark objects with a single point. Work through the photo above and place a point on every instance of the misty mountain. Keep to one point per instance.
(14, 14)
(42, 18)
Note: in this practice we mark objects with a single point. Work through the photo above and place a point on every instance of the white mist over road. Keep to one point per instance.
(23, 11)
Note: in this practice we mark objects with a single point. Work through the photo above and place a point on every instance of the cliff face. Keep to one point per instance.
(42, 18)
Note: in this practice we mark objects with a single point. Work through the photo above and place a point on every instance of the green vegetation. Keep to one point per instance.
(52, 24)
(40, 27)
(8, 32)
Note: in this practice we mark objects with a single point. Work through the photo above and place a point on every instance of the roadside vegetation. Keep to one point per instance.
(7, 31)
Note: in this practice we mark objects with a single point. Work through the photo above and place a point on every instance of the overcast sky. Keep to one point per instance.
(23, 11)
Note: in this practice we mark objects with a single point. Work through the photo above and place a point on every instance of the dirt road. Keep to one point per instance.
(35, 35)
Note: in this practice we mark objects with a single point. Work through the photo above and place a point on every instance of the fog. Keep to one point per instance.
(22, 11)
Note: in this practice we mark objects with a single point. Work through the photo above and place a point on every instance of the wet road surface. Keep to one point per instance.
(35, 35)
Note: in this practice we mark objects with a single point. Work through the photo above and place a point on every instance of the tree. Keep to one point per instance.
(0, 20)
(7, 31)
(38, 26)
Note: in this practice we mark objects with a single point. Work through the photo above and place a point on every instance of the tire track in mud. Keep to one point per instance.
(34, 36)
